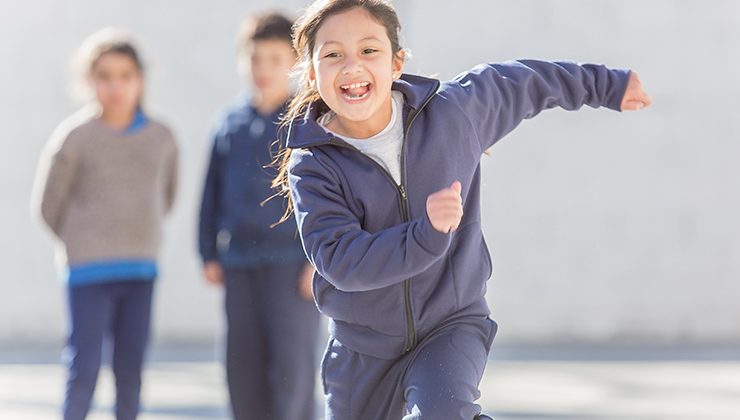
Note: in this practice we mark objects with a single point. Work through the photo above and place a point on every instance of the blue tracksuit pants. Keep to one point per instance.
(437, 380)
(271, 359)
(119, 312)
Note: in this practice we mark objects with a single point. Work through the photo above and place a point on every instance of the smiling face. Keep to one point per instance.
(353, 67)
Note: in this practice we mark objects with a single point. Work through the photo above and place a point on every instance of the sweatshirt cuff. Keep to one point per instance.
(620, 77)
(432, 240)
(208, 255)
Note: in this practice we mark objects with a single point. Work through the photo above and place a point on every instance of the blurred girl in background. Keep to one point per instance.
(106, 180)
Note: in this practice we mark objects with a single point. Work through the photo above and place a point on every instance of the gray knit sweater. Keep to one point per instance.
(104, 194)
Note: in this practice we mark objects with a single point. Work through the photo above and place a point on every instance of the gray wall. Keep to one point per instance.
(603, 226)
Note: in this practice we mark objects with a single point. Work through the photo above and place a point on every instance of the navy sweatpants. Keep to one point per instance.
(271, 344)
(119, 312)
(437, 380)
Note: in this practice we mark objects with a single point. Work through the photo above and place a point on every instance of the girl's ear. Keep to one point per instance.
(398, 62)
(311, 73)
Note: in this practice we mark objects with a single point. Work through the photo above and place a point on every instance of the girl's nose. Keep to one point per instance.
(352, 67)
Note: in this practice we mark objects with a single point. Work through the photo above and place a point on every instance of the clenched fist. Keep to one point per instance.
(634, 97)
(445, 209)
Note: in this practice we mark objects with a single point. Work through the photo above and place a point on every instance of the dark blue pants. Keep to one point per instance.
(118, 312)
(271, 344)
(438, 380)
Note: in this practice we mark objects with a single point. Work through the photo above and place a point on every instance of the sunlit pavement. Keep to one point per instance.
(520, 383)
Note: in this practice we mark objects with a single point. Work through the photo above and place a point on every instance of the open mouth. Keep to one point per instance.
(356, 91)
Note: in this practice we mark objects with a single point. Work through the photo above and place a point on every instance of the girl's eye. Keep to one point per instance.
(369, 50)
(331, 55)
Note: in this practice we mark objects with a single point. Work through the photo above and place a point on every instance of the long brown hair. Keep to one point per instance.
(304, 41)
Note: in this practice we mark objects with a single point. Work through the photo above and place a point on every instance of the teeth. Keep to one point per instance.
(356, 98)
(355, 85)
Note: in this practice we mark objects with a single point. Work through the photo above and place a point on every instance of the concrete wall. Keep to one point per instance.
(603, 226)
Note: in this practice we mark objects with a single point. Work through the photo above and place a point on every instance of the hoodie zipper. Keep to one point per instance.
(410, 326)
(403, 196)
(403, 200)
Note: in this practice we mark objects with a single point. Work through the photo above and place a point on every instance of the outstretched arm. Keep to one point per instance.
(497, 97)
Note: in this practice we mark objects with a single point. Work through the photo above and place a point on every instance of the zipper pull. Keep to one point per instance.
(402, 190)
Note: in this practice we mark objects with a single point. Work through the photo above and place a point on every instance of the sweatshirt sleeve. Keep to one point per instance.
(497, 97)
(347, 256)
(207, 221)
(55, 179)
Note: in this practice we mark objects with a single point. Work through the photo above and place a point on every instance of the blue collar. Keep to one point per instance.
(140, 121)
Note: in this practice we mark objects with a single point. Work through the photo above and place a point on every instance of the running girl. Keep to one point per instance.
(383, 171)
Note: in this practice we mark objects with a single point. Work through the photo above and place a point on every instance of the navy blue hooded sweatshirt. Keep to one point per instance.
(234, 227)
(385, 276)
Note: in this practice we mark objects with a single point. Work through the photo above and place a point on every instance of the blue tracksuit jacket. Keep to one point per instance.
(234, 226)
(385, 276)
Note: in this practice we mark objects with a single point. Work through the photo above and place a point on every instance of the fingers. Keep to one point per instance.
(445, 210)
(445, 198)
(645, 99)
(450, 220)
(447, 195)
(633, 105)
(636, 103)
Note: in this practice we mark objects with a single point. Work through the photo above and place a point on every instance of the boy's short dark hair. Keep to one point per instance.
(265, 26)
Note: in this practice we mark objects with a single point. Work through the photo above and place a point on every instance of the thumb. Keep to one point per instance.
(457, 186)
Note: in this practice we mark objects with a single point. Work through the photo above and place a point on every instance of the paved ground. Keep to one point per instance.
(520, 383)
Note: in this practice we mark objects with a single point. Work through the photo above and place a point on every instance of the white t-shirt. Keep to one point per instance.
(384, 147)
